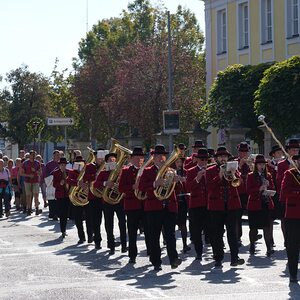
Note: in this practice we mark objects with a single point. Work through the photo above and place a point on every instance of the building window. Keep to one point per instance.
(292, 18)
(221, 31)
(266, 21)
(243, 17)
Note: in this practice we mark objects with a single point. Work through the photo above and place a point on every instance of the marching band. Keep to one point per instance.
(211, 189)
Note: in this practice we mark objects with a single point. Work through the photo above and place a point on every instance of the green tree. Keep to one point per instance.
(29, 98)
(278, 97)
(231, 98)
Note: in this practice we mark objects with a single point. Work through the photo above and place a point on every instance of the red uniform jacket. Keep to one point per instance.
(273, 171)
(127, 180)
(254, 198)
(90, 176)
(244, 170)
(60, 190)
(146, 185)
(72, 177)
(198, 191)
(216, 190)
(101, 178)
(189, 163)
(290, 191)
(282, 167)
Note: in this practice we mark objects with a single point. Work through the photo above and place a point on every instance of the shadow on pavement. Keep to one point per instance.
(294, 291)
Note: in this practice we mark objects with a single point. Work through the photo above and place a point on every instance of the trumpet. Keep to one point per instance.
(229, 175)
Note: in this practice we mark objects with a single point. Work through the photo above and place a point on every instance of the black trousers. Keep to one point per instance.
(94, 216)
(158, 220)
(199, 220)
(63, 212)
(244, 201)
(6, 199)
(80, 213)
(109, 210)
(134, 219)
(292, 227)
(52, 208)
(218, 220)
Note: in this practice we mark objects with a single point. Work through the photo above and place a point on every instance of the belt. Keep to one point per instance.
(183, 194)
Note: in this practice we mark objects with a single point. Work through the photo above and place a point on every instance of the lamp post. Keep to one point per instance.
(35, 126)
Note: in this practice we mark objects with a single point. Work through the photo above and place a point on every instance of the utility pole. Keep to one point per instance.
(170, 77)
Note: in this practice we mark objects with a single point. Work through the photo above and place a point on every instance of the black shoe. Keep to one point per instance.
(198, 257)
(240, 243)
(132, 261)
(157, 268)
(238, 262)
(90, 239)
(186, 249)
(252, 249)
(218, 264)
(28, 212)
(124, 249)
(7, 213)
(177, 262)
(24, 211)
(111, 252)
(55, 219)
(117, 244)
(38, 211)
(258, 237)
(81, 241)
(98, 247)
(63, 235)
(293, 279)
(270, 252)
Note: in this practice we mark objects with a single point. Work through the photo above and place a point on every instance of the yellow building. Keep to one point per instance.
(249, 32)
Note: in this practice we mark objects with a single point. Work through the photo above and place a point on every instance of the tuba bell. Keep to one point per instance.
(168, 174)
(112, 195)
(78, 195)
(98, 192)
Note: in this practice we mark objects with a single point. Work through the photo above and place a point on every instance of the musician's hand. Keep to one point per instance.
(242, 162)
(262, 188)
(32, 169)
(221, 173)
(159, 182)
(200, 174)
(177, 178)
(109, 184)
(62, 182)
(82, 184)
(135, 186)
(182, 179)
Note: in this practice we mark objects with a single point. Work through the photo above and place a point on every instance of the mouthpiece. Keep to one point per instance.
(261, 118)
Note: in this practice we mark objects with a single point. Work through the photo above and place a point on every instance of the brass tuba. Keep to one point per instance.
(112, 195)
(98, 192)
(139, 194)
(168, 174)
(78, 195)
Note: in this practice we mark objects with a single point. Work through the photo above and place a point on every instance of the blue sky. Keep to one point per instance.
(35, 32)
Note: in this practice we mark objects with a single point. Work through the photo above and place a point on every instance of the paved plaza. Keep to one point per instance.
(36, 264)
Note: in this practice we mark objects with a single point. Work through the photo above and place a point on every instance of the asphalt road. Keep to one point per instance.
(36, 264)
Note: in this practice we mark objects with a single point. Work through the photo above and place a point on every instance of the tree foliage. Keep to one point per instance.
(231, 98)
(121, 74)
(278, 97)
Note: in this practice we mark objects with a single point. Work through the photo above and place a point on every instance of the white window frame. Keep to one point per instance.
(222, 31)
(243, 25)
(292, 18)
(266, 21)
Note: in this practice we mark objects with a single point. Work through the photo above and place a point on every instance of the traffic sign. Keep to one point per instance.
(171, 121)
(60, 121)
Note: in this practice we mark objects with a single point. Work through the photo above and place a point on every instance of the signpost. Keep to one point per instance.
(171, 122)
(61, 122)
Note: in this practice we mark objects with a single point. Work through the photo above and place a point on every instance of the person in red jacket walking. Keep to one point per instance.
(191, 160)
(260, 203)
(110, 209)
(160, 214)
(290, 191)
(62, 194)
(224, 206)
(198, 213)
(133, 207)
